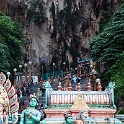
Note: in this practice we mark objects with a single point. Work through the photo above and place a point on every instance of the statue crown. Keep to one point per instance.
(67, 115)
(33, 96)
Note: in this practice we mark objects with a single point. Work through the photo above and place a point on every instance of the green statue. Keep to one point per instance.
(68, 119)
(111, 87)
(31, 115)
(46, 84)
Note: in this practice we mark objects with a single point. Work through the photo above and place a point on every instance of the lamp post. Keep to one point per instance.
(30, 71)
(42, 72)
(14, 76)
(91, 64)
(80, 67)
(14, 71)
(20, 66)
(93, 73)
(76, 70)
(30, 63)
(30, 66)
(25, 65)
(64, 67)
(53, 69)
(8, 73)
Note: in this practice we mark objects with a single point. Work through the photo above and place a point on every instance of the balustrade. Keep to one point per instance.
(92, 98)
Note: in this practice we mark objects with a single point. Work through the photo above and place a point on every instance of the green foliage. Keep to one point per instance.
(108, 47)
(117, 72)
(4, 62)
(107, 13)
(120, 112)
(66, 19)
(36, 12)
(11, 43)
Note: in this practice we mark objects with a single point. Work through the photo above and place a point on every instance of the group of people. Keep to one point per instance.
(69, 78)
(33, 113)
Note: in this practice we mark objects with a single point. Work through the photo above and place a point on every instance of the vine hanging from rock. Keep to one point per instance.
(36, 12)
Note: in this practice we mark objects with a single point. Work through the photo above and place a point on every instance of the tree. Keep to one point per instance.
(11, 43)
(108, 47)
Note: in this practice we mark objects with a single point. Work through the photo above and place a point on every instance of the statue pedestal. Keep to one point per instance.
(93, 113)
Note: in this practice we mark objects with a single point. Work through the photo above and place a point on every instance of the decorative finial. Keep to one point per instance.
(33, 96)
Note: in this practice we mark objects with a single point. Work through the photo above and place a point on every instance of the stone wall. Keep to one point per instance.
(40, 43)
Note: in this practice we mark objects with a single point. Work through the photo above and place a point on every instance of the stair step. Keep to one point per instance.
(34, 88)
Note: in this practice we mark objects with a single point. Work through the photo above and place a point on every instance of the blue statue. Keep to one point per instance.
(68, 119)
(111, 87)
(31, 115)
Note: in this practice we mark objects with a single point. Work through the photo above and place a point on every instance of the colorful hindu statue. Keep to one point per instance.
(9, 105)
(4, 105)
(31, 115)
(46, 84)
(68, 119)
(83, 118)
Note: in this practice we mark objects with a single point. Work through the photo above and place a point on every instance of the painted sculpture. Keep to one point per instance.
(46, 85)
(68, 118)
(84, 118)
(4, 105)
(31, 115)
(8, 101)
(111, 87)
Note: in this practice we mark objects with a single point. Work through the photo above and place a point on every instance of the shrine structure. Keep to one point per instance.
(8, 101)
(99, 104)
(81, 106)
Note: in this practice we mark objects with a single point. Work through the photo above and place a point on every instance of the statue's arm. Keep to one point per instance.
(36, 118)
(49, 85)
(22, 118)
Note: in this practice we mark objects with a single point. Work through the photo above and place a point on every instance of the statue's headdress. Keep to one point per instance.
(67, 115)
(33, 96)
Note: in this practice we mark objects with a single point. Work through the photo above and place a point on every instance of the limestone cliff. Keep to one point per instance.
(63, 35)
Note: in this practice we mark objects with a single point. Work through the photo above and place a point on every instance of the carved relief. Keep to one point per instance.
(79, 103)
(8, 100)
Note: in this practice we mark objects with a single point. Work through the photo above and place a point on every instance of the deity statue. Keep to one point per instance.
(84, 117)
(8, 101)
(111, 87)
(3, 114)
(68, 118)
(46, 84)
(4, 105)
(31, 115)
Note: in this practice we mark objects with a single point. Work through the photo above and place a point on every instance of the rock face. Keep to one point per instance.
(56, 35)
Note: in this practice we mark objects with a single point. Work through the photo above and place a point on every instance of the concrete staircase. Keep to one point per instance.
(34, 88)
(82, 82)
